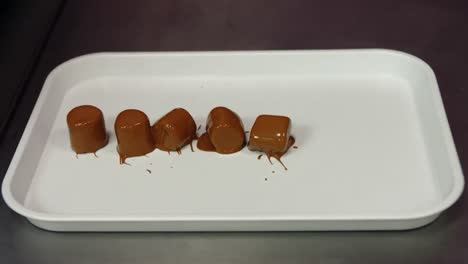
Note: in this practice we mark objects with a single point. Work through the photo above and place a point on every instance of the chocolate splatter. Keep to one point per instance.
(277, 156)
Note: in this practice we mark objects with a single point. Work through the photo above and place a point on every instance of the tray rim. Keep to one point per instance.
(443, 204)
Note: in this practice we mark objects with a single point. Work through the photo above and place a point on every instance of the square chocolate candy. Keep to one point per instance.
(270, 134)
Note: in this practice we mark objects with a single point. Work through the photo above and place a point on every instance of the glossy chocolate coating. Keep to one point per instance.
(270, 134)
(133, 132)
(174, 130)
(87, 129)
(204, 143)
(225, 131)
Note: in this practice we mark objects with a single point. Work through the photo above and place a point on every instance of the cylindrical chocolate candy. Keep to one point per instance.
(133, 132)
(174, 130)
(87, 129)
(225, 130)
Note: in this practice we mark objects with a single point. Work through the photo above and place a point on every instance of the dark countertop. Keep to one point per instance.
(24, 28)
(436, 31)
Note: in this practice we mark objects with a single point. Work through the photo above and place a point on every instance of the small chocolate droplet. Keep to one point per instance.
(295, 147)
(266, 179)
(149, 171)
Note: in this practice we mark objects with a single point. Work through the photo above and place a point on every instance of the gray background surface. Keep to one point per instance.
(436, 31)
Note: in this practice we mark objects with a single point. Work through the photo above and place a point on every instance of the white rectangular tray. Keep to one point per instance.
(375, 149)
